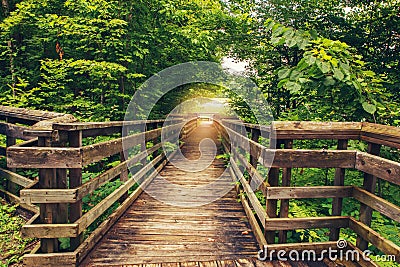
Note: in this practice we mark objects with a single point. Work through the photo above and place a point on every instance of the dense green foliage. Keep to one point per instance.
(89, 57)
(353, 75)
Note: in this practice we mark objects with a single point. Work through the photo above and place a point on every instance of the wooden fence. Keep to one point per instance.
(13, 123)
(266, 221)
(61, 156)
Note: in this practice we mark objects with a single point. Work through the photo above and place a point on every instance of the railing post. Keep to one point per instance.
(286, 178)
(339, 181)
(48, 212)
(11, 187)
(369, 185)
(271, 204)
(62, 183)
(75, 180)
(255, 136)
(124, 176)
(142, 147)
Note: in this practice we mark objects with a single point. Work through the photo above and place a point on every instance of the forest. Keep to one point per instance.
(313, 60)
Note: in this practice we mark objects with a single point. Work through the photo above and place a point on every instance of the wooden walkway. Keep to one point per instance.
(151, 231)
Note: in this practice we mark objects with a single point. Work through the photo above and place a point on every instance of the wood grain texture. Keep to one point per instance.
(306, 223)
(316, 130)
(151, 231)
(381, 134)
(379, 204)
(369, 235)
(382, 168)
(308, 192)
(43, 157)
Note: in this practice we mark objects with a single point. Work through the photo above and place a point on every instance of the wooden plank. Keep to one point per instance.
(369, 184)
(101, 207)
(13, 130)
(23, 115)
(40, 157)
(378, 141)
(292, 158)
(75, 181)
(337, 201)
(15, 178)
(256, 178)
(316, 130)
(384, 245)
(271, 205)
(275, 224)
(381, 134)
(15, 199)
(96, 152)
(49, 230)
(255, 136)
(43, 196)
(100, 231)
(383, 168)
(48, 212)
(286, 179)
(65, 259)
(308, 192)
(48, 123)
(255, 203)
(258, 233)
(90, 186)
(80, 126)
(11, 187)
(377, 203)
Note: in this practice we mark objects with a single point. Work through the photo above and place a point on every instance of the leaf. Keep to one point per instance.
(329, 81)
(370, 108)
(310, 59)
(338, 74)
(283, 73)
(294, 75)
(323, 66)
(293, 87)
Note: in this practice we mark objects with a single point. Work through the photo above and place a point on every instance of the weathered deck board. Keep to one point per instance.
(153, 232)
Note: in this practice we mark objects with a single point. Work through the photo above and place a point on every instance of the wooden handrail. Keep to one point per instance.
(61, 158)
(299, 158)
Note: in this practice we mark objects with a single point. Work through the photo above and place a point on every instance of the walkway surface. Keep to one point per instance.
(152, 231)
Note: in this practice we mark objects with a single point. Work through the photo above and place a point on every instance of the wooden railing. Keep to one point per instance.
(242, 139)
(61, 158)
(57, 149)
(13, 123)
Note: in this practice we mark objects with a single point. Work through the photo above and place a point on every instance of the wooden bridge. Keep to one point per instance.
(133, 225)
